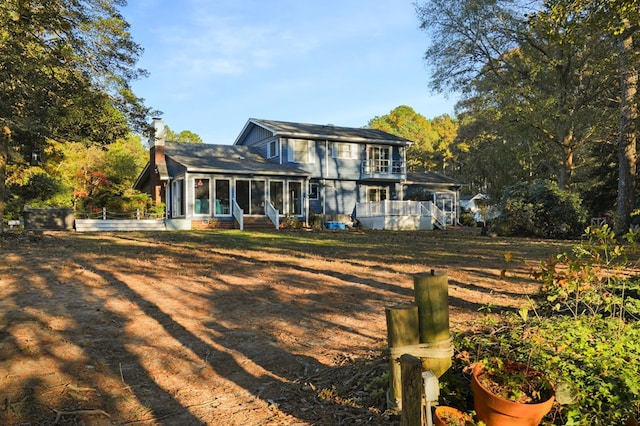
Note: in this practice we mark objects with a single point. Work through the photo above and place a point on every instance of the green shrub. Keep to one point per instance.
(540, 209)
(466, 218)
(582, 332)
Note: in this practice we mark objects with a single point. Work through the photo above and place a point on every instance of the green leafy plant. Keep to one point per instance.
(595, 278)
(582, 334)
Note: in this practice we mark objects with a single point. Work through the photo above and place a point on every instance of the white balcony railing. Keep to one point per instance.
(383, 168)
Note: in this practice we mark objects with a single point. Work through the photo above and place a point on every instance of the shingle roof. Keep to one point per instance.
(324, 131)
(431, 178)
(197, 157)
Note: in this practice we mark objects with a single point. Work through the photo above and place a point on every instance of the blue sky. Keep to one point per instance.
(216, 63)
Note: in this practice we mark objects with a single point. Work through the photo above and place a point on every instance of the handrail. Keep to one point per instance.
(439, 215)
(238, 214)
(273, 214)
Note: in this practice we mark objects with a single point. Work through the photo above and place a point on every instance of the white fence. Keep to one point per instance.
(107, 225)
(105, 221)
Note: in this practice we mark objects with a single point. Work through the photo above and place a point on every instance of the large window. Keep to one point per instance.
(250, 196)
(276, 194)
(379, 158)
(301, 151)
(177, 198)
(258, 197)
(223, 196)
(201, 196)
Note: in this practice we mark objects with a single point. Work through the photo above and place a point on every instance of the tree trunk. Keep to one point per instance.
(5, 134)
(566, 166)
(627, 137)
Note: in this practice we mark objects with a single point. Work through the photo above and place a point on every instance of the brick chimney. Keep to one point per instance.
(158, 164)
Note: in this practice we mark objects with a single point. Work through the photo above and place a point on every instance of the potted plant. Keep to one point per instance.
(449, 416)
(510, 393)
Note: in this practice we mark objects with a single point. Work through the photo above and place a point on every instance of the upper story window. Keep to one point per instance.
(379, 159)
(301, 151)
(272, 149)
(345, 150)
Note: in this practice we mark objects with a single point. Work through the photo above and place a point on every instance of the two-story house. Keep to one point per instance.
(276, 169)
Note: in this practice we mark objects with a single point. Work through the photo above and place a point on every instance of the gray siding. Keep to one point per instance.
(325, 165)
(174, 169)
(263, 148)
(256, 134)
(340, 197)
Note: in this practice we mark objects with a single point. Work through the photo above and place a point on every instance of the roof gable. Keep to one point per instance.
(320, 131)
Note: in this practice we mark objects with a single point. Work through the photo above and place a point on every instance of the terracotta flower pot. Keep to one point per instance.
(498, 411)
(449, 416)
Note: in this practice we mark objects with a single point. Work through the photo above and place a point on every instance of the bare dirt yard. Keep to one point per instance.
(227, 327)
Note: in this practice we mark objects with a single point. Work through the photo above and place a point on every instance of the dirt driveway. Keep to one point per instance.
(223, 327)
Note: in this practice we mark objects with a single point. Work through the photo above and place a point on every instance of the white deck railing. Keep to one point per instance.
(388, 208)
(273, 214)
(394, 208)
(238, 214)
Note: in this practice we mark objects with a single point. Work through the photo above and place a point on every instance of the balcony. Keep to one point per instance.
(383, 170)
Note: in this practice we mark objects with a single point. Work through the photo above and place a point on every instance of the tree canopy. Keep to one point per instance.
(547, 86)
(65, 73)
(183, 136)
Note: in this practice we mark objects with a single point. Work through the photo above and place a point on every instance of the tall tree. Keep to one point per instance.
(624, 15)
(184, 136)
(550, 69)
(65, 70)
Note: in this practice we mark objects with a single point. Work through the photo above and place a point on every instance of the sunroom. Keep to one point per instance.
(222, 185)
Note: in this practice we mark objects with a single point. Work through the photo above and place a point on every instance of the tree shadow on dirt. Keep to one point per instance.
(53, 344)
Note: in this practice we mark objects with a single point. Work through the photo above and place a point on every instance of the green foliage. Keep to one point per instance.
(540, 209)
(186, 136)
(466, 218)
(593, 279)
(592, 361)
(65, 74)
(537, 80)
(583, 334)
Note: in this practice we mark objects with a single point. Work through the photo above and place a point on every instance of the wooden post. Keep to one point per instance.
(411, 391)
(432, 297)
(402, 330)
